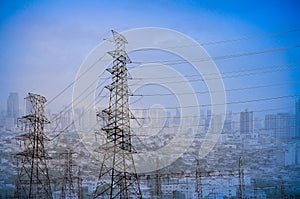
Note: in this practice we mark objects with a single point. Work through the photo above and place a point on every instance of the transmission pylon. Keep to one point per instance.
(118, 177)
(255, 189)
(283, 194)
(158, 191)
(241, 185)
(198, 181)
(71, 183)
(33, 179)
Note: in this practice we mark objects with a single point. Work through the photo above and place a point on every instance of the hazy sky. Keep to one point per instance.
(43, 43)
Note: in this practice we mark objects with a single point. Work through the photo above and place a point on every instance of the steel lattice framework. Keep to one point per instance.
(198, 181)
(115, 179)
(33, 179)
(71, 183)
(241, 186)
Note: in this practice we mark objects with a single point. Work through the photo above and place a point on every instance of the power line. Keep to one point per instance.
(67, 109)
(223, 73)
(250, 37)
(73, 121)
(207, 43)
(219, 57)
(181, 81)
(173, 62)
(245, 54)
(73, 82)
(237, 39)
(227, 90)
(233, 102)
(224, 77)
(234, 89)
(69, 106)
(178, 107)
(204, 125)
(234, 113)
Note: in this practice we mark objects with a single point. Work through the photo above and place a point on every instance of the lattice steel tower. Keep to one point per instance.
(71, 183)
(198, 180)
(33, 179)
(241, 183)
(118, 177)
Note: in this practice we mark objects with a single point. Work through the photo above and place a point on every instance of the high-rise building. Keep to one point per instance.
(280, 124)
(207, 120)
(216, 121)
(228, 122)
(176, 119)
(270, 122)
(284, 125)
(12, 110)
(297, 119)
(246, 122)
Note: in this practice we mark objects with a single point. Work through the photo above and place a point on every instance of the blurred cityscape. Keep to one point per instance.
(258, 156)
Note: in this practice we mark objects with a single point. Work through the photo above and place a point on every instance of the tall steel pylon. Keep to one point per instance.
(33, 179)
(71, 183)
(118, 177)
(241, 185)
(198, 181)
(158, 191)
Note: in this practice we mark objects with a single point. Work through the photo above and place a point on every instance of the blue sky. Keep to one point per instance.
(43, 43)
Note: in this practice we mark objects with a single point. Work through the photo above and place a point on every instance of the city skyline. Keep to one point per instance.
(284, 149)
(281, 124)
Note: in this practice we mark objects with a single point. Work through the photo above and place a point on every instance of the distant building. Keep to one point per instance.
(216, 122)
(261, 194)
(12, 110)
(290, 155)
(215, 196)
(284, 125)
(2, 119)
(297, 154)
(228, 122)
(246, 122)
(29, 109)
(280, 124)
(207, 119)
(176, 119)
(297, 120)
(258, 123)
(270, 122)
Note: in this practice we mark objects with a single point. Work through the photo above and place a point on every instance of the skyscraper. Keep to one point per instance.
(297, 121)
(228, 122)
(281, 124)
(12, 110)
(246, 122)
(270, 122)
(284, 125)
(207, 120)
